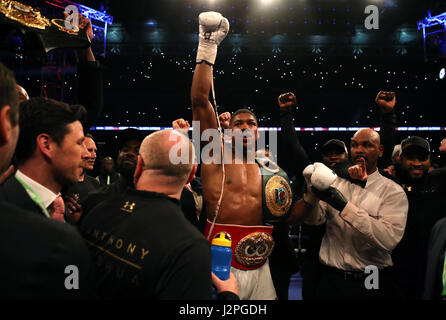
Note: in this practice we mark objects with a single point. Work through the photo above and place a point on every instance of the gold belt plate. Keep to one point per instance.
(254, 249)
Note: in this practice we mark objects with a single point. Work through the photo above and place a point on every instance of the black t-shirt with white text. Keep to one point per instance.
(143, 247)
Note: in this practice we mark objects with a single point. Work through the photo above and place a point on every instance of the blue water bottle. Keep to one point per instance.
(221, 255)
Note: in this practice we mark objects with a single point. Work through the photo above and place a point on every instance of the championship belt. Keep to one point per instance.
(40, 31)
(276, 191)
(251, 245)
(23, 14)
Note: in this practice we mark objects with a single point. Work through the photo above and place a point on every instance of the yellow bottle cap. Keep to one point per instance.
(222, 239)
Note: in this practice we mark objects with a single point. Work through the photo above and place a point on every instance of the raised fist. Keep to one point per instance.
(224, 119)
(181, 124)
(84, 23)
(287, 100)
(386, 101)
(213, 28)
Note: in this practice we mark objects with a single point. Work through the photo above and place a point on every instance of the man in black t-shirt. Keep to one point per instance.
(141, 244)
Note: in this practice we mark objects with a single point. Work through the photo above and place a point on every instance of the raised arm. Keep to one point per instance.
(292, 147)
(213, 28)
(386, 102)
(90, 84)
(202, 109)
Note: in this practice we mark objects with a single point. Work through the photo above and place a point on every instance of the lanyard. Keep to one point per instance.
(444, 276)
(34, 196)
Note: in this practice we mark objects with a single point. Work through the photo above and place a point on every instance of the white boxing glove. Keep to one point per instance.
(309, 196)
(308, 171)
(322, 176)
(213, 29)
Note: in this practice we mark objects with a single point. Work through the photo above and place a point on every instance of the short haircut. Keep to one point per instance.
(8, 94)
(155, 151)
(42, 115)
(89, 135)
(243, 111)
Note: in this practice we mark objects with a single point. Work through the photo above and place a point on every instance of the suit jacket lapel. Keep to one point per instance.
(15, 193)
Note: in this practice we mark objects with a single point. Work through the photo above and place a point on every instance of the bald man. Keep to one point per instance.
(142, 245)
(364, 224)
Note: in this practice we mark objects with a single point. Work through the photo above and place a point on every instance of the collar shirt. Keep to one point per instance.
(369, 227)
(45, 194)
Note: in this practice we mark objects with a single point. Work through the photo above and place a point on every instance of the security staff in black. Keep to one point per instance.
(142, 246)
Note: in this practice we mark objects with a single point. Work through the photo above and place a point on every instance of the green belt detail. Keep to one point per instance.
(277, 196)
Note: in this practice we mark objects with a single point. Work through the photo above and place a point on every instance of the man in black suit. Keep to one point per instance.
(40, 257)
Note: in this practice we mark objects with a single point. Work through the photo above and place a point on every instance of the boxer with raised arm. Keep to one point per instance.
(252, 195)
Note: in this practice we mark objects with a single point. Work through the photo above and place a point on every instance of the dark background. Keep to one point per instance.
(319, 50)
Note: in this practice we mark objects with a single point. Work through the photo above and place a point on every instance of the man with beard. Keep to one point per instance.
(333, 152)
(425, 192)
(129, 142)
(364, 224)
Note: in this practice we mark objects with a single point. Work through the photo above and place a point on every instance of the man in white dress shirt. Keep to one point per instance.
(364, 224)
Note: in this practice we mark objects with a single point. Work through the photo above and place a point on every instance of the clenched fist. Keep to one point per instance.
(181, 124)
(386, 100)
(224, 118)
(287, 100)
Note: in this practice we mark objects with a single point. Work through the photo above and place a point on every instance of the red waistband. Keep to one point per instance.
(237, 233)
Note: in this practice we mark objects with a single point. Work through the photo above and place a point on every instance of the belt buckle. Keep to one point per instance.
(254, 249)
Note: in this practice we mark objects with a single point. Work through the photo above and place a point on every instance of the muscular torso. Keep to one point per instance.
(242, 195)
